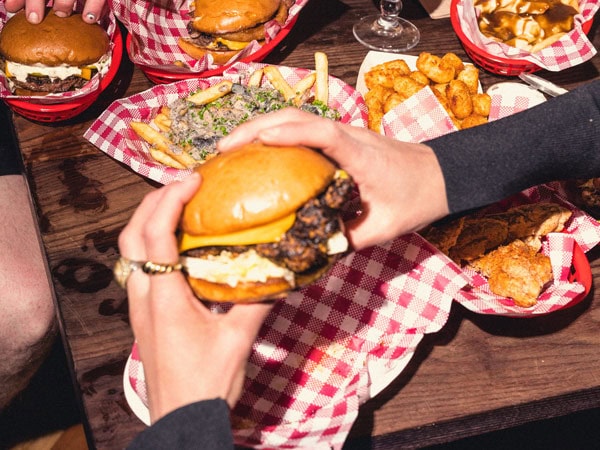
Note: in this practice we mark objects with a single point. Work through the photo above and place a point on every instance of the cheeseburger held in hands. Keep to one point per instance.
(264, 221)
(224, 28)
(56, 55)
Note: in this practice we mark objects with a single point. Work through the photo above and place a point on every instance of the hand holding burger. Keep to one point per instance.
(175, 333)
(56, 55)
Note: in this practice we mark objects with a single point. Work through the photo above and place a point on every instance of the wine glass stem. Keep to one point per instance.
(390, 11)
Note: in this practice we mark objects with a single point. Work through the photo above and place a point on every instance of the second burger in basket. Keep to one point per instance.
(224, 28)
(265, 221)
(56, 55)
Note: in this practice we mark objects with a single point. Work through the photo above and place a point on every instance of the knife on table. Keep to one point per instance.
(542, 85)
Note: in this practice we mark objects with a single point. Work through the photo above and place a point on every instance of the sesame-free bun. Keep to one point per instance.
(226, 16)
(254, 185)
(54, 41)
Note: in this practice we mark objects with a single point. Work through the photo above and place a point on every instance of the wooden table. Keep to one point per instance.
(480, 373)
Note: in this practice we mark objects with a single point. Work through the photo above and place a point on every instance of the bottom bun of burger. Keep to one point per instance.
(265, 221)
(220, 56)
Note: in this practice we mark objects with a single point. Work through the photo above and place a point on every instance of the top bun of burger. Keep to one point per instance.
(57, 48)
(222, 29)
(264, 221)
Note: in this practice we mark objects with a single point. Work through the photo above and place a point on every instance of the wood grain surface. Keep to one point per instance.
(479, 373)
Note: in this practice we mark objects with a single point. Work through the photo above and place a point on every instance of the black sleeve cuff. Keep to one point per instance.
(203, 424)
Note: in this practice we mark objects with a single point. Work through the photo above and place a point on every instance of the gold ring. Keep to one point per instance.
(124, 267)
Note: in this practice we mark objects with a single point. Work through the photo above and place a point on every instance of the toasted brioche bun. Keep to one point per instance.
(250, 292)
(227, 16)
(54, 41)
(253, 186)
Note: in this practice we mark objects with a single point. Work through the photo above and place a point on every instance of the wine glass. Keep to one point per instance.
(387, 31)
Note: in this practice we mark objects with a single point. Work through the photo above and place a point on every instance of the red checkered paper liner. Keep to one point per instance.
(581, 229)
(328, 348)
(108, 23)
(422, 117)
(572, 49)
(156, 28)
(112, 134)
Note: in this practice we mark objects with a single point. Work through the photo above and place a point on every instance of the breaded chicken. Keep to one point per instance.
(444, 235)
(477, 237)
(517, 271)
(533, 221)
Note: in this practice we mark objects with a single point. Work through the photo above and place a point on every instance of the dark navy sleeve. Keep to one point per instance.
(557, 140)
(201, 425)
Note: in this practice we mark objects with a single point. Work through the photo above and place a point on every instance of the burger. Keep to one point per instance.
(265, 221)
(222, 29)
(56, 55)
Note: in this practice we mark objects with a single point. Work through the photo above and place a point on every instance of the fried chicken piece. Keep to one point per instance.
(517, 271)
(477, 237)
(533, 221)
(444, 235)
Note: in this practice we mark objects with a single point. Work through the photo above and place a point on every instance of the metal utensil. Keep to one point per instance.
(543, 85)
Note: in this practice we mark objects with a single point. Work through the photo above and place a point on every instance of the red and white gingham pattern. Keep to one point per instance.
(323, 347)
(108, 24)
(572, 49)
(418, 118)
(504, 105)
(156, 28)
(111, 132)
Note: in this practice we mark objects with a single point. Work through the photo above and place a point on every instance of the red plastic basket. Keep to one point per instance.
(493, 63)
(161, 76)
(58, 112)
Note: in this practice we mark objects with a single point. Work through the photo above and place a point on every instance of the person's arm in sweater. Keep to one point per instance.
(406, 186)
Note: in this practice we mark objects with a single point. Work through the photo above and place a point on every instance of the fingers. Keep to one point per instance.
(93, 10)
(63, 8)
(150, 233)
(15, 5)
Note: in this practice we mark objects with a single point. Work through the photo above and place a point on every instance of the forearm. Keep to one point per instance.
(559, 139)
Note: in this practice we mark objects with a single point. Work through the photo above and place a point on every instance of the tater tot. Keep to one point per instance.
(406, 86)
(470, 76)
(436, 70)
(481, 104)
(419, 77)
(472, 121)
(459, 99)
(374, 78)
(453, 60)
(392, 101)
(397, 65)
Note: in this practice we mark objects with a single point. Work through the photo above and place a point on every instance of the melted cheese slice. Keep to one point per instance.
(233, 45)
(263, 234)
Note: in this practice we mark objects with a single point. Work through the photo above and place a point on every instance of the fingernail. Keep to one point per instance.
(60, 14)
(33, 17)
(91, 17)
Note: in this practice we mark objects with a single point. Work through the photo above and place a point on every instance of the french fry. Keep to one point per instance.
(274, 76)
(302, 87)
(212, 93)
(322, 80)
(165, 159)
(255, 78)
(163, 122)
(160, 142)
